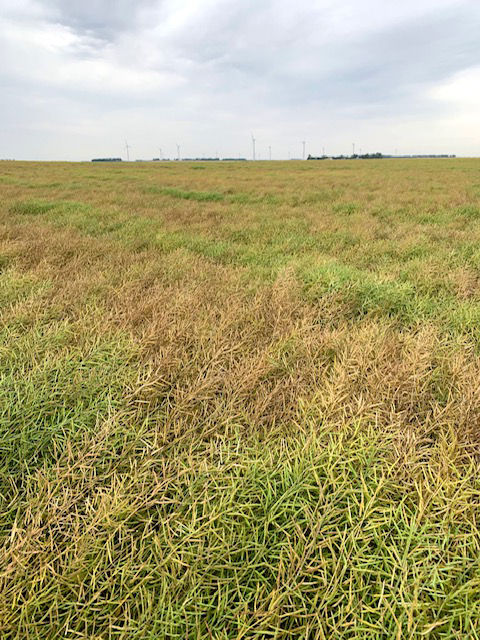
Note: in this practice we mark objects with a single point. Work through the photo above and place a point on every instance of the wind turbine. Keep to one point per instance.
(161, 154)
(253, 146)
(178, 152)
(127, 147)
(269, 153)
(304, 143)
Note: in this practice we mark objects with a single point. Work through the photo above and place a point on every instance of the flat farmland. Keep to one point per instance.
(240, 400)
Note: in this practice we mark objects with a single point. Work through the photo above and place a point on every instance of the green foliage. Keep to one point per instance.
(469, 211)
(345, 207)
(199, 196)
(51, 391)
(32, 208)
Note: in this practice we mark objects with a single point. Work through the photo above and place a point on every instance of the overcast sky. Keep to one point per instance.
(78, 78)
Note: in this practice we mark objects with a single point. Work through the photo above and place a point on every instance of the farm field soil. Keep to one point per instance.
(240, 400)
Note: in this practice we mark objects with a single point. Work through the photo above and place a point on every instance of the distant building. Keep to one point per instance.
(106, 160)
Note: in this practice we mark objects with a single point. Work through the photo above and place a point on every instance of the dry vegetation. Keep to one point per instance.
(240, 400)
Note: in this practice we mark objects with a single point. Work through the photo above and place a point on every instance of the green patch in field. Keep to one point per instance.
(465, 318)
(199, 196)
(6, 179)
(470, 211)
(470, 252)
(438, 218)
(134, 230)
(32, 208)
(52, 390)
(365, 293)
(346, 208)
(85, 218)
(16, 287)
(395, 299)
(242, 198)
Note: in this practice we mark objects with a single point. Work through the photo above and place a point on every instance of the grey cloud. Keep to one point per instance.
(227, 65)
(104, 19)
(379, 66)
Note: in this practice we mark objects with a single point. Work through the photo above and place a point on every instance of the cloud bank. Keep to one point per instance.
(78, 79)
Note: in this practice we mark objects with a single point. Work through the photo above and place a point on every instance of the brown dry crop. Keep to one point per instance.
(242, 402)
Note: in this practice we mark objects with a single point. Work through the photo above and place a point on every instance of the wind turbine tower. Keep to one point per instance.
(253, 147)
(269, 153)
(304, 143)
(178, 152)
(127, 147)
